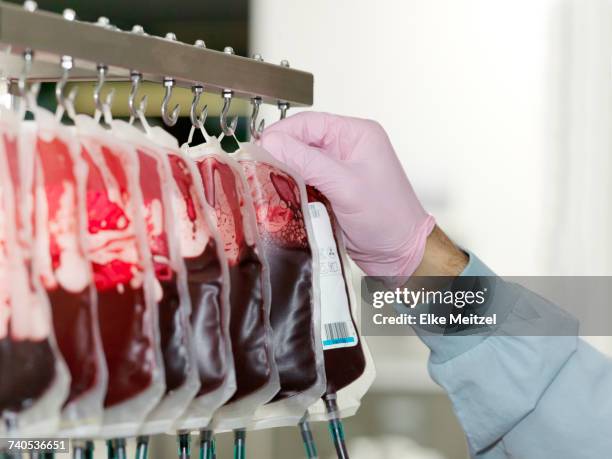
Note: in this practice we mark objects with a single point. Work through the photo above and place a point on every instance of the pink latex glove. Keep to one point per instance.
(353, 163)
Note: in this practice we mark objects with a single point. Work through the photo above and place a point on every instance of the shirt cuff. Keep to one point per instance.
(502, 298)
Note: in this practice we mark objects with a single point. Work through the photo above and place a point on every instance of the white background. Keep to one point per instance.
(500, 111)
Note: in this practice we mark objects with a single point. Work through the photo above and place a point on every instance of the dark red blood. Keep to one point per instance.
(28, 368)
(342, 365)
(204, 276)
(291, 318)
(122, 311)
(173, 336)
(247, 324)
(73, 325)
(72, 313)
(129, 351)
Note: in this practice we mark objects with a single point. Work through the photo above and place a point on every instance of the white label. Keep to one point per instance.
(337, 329)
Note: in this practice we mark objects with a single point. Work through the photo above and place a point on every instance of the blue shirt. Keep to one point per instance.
(526, 396)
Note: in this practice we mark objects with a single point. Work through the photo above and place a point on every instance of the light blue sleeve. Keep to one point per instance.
(526, 396)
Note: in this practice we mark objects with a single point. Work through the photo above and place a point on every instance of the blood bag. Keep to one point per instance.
(208, 280)
(124, 278)
(174, 307)
(349, 368)
(226, 192)
(32, 396)
(342, 349)
(54, 173)
(280, 202)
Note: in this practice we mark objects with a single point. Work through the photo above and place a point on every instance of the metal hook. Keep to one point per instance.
(256, 130)
(197, 121)
(142, 106)
(25, 100)
(108, 102)
(102, 69)
(66, 64)
(283, 107)
(136, 78)
(28, 56)
(69, 102)
(172, 118)
(227, 100)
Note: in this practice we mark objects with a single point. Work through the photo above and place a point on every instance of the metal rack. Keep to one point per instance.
(158, 59)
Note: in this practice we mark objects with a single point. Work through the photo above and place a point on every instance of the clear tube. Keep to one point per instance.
(120, 448)
(309, 444)
(239, 444)
(206, 444)
(142, 447)
(184, 445)
(336, 429)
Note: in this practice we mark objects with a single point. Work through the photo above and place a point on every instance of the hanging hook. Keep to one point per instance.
(197, 121)
(22, 104)
(227, 100)
(172, 118)
(107, 107)
(102, 69)
(67, 105)
(256, 130)
(66, 64)
(283, 105)
(140, 112)
(136, 78)
(28, 56)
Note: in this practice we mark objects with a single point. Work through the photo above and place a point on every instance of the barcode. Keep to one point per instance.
(337, 332)
(314, 210)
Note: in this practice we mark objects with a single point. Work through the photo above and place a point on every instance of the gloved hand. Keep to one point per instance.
(352, 162)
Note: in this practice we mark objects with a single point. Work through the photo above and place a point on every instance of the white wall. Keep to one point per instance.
(472, 93)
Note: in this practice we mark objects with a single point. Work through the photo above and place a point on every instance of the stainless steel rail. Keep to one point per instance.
(51, 36)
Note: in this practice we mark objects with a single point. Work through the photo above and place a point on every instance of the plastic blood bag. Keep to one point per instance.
(34, 383)
(172, 329)
(281, 212)
(120, 290)
(226, 192)
(172, 296)
(343, 352)
(208, 282)
(348, 364)
(25, 351)
(118, 253)
(54, 173)
(285, 243)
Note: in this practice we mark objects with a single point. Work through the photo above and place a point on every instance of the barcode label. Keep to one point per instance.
(314, 211)
(338, 333)
(337, 329)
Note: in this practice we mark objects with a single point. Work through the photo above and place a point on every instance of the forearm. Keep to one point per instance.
(442, 257)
